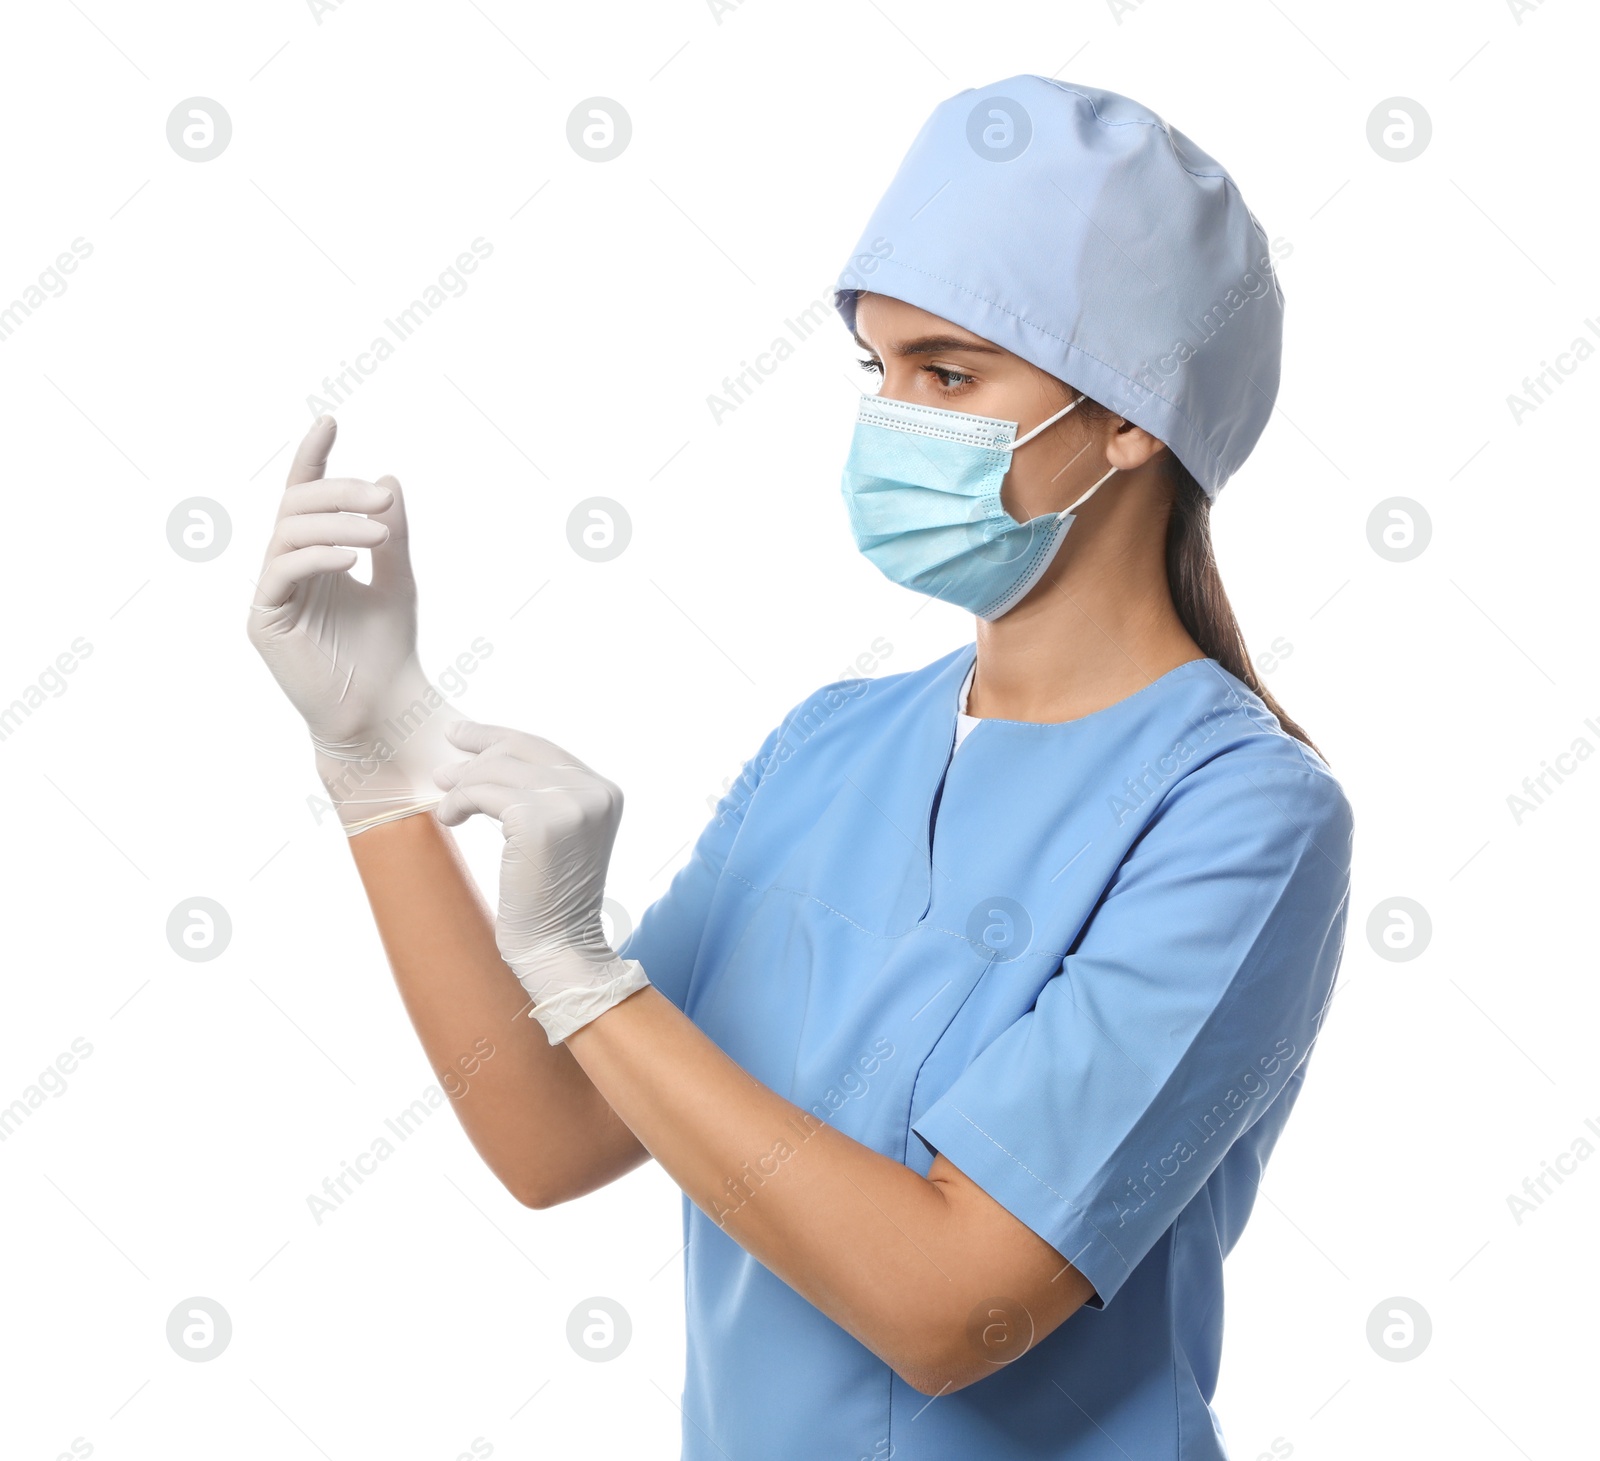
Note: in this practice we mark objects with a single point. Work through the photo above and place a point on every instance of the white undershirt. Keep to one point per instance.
(965, 722)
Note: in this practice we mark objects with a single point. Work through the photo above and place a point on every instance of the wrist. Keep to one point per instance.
(374, 786)
(386, 770)
(583, 990)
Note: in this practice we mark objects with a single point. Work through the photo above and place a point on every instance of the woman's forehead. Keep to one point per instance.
(898, 322)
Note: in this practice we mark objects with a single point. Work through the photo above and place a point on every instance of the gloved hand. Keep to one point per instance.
(559, 819)
(345, 652)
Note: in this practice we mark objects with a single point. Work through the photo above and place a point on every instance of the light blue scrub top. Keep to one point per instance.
(1086, 961)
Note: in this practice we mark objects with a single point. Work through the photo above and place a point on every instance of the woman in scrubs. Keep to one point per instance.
(982, 1000)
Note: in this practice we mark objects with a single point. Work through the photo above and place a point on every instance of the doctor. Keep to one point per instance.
(985, 995)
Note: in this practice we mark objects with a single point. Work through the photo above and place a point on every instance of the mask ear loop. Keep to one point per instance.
(1048, 421)
(1087, 495)
(1082, 397)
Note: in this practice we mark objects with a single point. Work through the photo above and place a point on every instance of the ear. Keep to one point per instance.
(1131, 446)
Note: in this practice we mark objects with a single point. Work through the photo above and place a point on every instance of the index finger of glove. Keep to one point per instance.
(500, 768)
(472, 735)
(311, 456)
(470, 796)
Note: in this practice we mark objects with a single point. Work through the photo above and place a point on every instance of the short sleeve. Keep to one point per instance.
(1192, 995)
(666, 940)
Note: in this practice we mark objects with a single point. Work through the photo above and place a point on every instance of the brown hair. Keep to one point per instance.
(1196, 585)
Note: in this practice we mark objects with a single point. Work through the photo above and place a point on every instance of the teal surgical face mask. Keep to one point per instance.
(922, 486)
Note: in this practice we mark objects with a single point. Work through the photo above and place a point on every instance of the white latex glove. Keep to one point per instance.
(559, 819)
(345, 653)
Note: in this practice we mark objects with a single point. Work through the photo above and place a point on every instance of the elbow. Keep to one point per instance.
(530, 1191)
(939, 1378)
(538, 1198)
(942, 1365)
(955, 1351)
(922, 1381)
(550, 1189)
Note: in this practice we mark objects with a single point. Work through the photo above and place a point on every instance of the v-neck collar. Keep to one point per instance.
(968, 665)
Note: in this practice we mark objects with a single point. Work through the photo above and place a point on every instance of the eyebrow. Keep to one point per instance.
(933, 345)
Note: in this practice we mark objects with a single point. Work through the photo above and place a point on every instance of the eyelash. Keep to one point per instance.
(948, 379)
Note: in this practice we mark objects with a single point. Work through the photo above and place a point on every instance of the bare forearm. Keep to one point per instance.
(882, 1251)
(529, 1109)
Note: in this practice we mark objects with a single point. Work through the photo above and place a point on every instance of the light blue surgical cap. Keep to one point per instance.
(1078, 230)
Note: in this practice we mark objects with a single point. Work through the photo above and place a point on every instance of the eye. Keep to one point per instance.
(949, 379)
(874, 367)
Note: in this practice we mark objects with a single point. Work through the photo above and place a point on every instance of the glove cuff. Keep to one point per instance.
(390, 774)
(606, 985)
(353, 826)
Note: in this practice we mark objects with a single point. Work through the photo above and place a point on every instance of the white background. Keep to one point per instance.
(369, 149)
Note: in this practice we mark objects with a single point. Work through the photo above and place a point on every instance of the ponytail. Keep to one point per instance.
(1198, 594)
(1196, 586)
